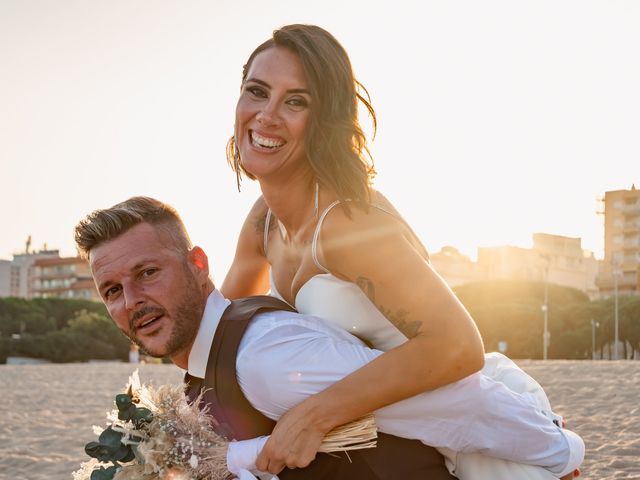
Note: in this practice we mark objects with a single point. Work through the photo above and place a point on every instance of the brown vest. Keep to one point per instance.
(392, 459)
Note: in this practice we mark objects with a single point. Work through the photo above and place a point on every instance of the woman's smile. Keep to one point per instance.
(269, 143)
(272, 114)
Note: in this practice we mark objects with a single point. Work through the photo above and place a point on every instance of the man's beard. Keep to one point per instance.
(186, 317)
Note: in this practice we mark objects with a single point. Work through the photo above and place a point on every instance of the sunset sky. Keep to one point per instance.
(497, 119)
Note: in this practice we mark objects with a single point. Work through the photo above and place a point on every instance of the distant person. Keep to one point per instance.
(134, 354)
(157, 289)
(323, 240)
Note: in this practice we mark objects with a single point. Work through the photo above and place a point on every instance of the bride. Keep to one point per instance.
(324, 241)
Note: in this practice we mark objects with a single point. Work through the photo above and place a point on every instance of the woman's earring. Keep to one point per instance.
(236, 164)
(316, 201)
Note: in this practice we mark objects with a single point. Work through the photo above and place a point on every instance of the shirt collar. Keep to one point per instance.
(199, 355)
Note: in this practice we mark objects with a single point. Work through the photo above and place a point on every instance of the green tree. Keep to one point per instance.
(84, 335)
(511, 311)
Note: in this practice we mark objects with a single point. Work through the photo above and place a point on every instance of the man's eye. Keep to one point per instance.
(149, 271)
(111, 292)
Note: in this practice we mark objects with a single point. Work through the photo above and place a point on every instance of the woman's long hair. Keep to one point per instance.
(335, 144)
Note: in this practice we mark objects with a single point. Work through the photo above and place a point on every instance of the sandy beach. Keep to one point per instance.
(48, 410)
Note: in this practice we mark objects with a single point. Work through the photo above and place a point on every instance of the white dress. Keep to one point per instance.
(345, 305)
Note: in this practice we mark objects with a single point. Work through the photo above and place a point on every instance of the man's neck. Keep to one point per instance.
(181, 359)
(194, 359)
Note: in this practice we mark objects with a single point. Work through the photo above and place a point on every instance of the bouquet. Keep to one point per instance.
(156, 434)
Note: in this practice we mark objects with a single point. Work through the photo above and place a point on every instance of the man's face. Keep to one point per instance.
(154, 294)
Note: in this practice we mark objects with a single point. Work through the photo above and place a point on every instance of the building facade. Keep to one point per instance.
(5, 278)
(621, 265)
(20, 273)
(454, 267)
(63, 277)
(566, 263)
(44, 273)
(553, 258)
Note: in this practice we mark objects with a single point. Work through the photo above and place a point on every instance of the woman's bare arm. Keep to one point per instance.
(376, 252)
(249, 272)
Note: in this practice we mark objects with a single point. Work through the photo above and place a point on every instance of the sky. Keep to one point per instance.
(496, 119)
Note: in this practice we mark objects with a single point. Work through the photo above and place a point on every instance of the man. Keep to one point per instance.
(157, 289)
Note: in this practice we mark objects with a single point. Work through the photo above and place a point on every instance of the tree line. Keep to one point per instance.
(65, 330)
(511, 311)
(59, 330)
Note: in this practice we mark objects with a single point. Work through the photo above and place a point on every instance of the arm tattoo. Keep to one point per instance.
(409, 328)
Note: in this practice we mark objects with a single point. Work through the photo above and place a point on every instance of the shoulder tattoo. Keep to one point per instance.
(260, 221)
(410, 328)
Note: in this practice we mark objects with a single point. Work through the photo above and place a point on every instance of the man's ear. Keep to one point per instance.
(199, 259)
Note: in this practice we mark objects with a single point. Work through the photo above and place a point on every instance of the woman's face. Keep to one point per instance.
(272, 115)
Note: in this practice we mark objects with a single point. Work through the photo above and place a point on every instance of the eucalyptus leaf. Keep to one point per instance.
(127, 413)
(102, 452)
(125, 454)
(123, 401)
(109, 437)
(142, 415)
(103, 473)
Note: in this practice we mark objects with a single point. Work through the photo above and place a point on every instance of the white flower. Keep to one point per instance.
(193, 461)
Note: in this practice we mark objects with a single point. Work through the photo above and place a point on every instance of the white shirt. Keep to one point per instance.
(286, 357)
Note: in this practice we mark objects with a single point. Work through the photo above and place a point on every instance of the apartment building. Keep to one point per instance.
(16, 276)
(63, 277)
(555, 258)
(621, 265)
(568, 264)
(5, 278)
(454, 267)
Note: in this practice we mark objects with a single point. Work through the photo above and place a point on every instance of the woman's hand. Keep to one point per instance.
(294, 442)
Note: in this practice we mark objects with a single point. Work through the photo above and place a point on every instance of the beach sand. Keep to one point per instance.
(47, 412)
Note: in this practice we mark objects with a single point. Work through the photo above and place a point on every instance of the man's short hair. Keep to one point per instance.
(103, 225)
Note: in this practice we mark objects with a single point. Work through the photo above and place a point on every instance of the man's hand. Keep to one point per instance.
(294, 442)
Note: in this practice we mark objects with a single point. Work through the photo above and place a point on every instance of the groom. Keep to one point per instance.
(157, 289)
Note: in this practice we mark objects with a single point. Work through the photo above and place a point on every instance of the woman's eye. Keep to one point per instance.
(298, 102)
(256, 92)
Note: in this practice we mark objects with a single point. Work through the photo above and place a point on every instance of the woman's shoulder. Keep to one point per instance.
(259, 208)
(351, 214)
(257, 216)
(359, 218)
(365, 224)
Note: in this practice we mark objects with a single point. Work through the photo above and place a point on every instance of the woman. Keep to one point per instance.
(321, 239)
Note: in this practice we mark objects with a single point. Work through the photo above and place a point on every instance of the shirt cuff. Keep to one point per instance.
(242, 455)
(576, 451)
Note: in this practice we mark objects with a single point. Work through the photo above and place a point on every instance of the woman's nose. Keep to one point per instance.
(269, 115)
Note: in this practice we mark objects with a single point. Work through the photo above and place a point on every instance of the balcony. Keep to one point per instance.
(631, 209)
(631, 227)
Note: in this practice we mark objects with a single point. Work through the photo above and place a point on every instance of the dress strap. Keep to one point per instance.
(267, 222)
(316, 233)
